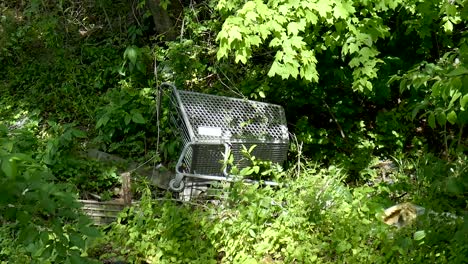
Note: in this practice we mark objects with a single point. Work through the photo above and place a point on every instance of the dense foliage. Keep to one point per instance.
(364, 84)
(40, 219)
(316, 220)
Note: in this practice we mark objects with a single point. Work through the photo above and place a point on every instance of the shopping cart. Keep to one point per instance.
(214, 127)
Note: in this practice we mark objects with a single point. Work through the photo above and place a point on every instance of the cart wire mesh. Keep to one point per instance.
(212, 126)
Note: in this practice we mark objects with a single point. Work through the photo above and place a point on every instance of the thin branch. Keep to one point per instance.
(134, 15)
(158, 98)
(446, 142)
(236, 91)
(460, 137)
(143, 164)
(299, 153)
(334, 119)
(182, 29)
(107, 17)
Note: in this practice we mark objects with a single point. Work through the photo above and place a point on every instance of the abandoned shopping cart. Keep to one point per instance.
(214, 127)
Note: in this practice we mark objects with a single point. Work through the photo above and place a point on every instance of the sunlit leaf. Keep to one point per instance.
(448, 26)
(233, 34)
(246, 171)
(131, 53)
(458, 71)
(463, 100)
(418, 235)
(452, 117)
(293, 28)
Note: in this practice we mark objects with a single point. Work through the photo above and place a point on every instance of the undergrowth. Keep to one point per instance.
(313, 218)
(81, 75)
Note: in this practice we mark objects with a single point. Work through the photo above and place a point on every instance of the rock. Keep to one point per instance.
(402, 214)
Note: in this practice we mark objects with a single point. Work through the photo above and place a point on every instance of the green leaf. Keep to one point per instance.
(233, 34)
(9, 167)
(448, 26)
(222, 52)
(254, 40)
(343, 246)
(77, 240)
(246, 171)
(252, 16)
(463, 101)
(418, 235)
(21, 156)
(78, 133)
(462, 117)
(102, 121)
(83, 220)
(403, 85)
(309, 72)
(452, 117)
(251, 148)
(241, 58)
(455, 96)
(138, 118)
(127, 118)
(431, 120)
(28, 234)
(293, 28)
(417, 108)
(296, 42)
(343, 9)
(256, 169)
(323, 7)
(441, 118)
(131, 53)
(275, 69)
(47, 252)
(456, 85)
(44, 237)
(311, 17)
(90, 231)
(455, 185)
(235, 171)
(353, 47)
(458, 71)
(76, 259)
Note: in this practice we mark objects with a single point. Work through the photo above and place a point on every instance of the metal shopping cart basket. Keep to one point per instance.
(214, 127)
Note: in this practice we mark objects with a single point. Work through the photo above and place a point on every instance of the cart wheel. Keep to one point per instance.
(176, 188)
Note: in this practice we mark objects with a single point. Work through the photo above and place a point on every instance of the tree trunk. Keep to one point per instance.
(162, 21)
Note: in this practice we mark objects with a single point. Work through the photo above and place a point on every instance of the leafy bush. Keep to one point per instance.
(162, 232)
(315, 218)
(78, 62)
(124, 122)
(41, 221)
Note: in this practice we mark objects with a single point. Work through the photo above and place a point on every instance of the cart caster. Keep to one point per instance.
(176, 187)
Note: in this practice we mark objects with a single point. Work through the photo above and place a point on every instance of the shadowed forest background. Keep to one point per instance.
(375, 95)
